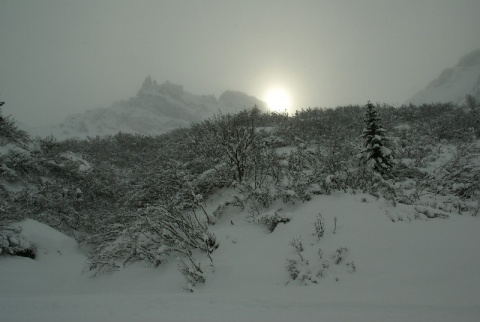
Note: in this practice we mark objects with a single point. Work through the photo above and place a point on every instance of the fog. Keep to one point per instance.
(62, 57)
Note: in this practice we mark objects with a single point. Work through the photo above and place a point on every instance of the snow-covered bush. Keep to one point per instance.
(53, 193)
(213, 179)
(310, 264)
(150, 234)
(229, 137)
(297, 176)
(319, 226)
(460, 175)
(320, 125)
(339, 255)
(255, 200)
(13, 243)
(17, 165)
(411, 146)
(293, 268)
(473, 109)
(9, 132)
(265, 166)
(430, 212)
(193, 273)
(271, 219)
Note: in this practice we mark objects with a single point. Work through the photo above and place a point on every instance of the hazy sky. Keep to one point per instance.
(59, 57)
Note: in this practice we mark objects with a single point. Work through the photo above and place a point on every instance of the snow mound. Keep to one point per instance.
(47, 239)
(377, 270)
(56, 269)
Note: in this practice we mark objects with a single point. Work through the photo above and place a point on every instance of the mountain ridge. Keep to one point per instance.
(154, 110)
(453, 84)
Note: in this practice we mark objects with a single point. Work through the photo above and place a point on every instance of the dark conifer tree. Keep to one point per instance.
(375, 153)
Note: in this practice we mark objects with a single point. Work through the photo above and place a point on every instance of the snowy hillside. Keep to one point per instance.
(247, 217)
(409, 270)
(156, 109)
(453, 84)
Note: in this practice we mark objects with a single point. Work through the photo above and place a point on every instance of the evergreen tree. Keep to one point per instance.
(375, 153)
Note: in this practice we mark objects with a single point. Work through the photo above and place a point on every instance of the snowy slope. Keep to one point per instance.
(407, 270)
(155, 109)
(453, 84)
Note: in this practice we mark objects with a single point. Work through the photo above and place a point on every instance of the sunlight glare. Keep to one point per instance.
(278, 99)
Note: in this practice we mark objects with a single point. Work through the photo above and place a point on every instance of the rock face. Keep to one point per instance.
(156, 109)
(453, 84)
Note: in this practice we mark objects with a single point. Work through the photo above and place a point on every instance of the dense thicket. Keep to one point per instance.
(131, 197)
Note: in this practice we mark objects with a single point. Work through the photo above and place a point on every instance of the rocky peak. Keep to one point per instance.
(171, 89)
(149, 84)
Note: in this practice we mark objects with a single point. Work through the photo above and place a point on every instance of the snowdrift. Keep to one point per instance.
(409, 268)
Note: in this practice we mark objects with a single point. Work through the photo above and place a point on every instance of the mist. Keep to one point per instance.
(64, 57)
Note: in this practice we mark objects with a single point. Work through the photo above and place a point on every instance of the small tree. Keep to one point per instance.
(375, 153)
(473, 107)
(232, 137)
(9, 132)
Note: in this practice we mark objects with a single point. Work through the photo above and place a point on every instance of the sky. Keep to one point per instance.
(59, 57)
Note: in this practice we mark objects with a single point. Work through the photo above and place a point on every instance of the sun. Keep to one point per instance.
(278, 99)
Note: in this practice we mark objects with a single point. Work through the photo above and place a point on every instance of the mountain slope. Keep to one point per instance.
(155, 109)
(453, 84)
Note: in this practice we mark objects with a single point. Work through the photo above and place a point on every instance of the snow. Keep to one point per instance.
(58, 264)
(406, 270)
(83, 165)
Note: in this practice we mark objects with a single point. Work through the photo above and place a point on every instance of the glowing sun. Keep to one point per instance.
(277, 99)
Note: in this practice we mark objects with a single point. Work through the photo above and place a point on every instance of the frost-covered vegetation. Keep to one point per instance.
(131, 198)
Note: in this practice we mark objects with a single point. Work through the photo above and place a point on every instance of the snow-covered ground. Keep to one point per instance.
(405, 270)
